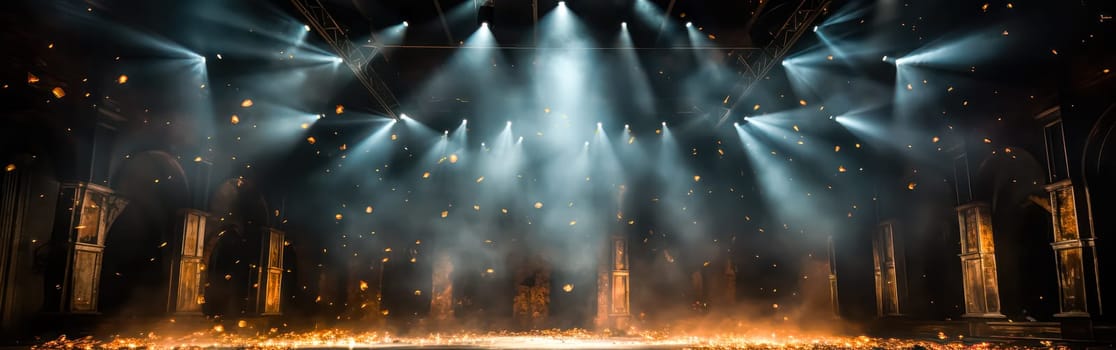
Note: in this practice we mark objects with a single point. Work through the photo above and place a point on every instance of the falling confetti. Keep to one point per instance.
(235, 119)
(338, 216)
(122, 79)
(453, 158)
(58, 92)
(697, 178)
(445, 213)
(31, 78)
(538, 205)
(339, 109)
(567, 288)
(246, 103)
(10, 167)
(368, 209)
(911, 185)
(802, 102)
(311, 140)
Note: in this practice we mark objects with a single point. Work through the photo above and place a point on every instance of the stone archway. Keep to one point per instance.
(138, 247)
(228, 278)
(1098, 169)
(1013, 182)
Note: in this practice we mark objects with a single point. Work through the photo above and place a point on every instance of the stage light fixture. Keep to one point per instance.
(815, 29)
(486, 13)
(337, 60)
(624, 25)
(404, 116)
(689, 24)
(884, 58)
(664, 123)
(405, 24)
(598, 125)
(306, 26)
(561, 4)
(509, 124)
(464, 121)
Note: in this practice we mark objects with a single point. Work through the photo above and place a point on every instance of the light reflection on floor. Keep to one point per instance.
(545, 339)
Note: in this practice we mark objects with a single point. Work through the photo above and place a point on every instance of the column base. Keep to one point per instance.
(1076, 325)
(990, 315)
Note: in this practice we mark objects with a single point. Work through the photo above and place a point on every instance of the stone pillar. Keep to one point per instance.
(269, 291)
(186, 265)
(441, 298)
(619, 312)
(85, 213)
(978, 261)
(831, 264)
(1069, 254)
(888, 270)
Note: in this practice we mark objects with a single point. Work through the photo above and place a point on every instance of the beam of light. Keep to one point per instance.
(866, 127)
(958, 54)
(783, 192)
(638, 84)
(417, 128)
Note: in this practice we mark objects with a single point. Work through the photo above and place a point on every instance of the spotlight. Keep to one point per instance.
(735, 124)
(306, 26)
(624, 25)
(394, 120)
(404, 116)
(598, 125)
(626, 127)
(689, 24)
(884, 58)
(445, 132)
(338, 60)
(405, 24)
(484, 24)
(664, 124)
(202, 59)
(509, 124)
(815, 29)
(464, 121)
(561, 4)
(520, 140)
(586, 144)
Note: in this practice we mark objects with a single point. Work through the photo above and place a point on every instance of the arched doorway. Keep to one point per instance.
(228, 278)
(137, 247)
(1099, 168)
(1021, 221)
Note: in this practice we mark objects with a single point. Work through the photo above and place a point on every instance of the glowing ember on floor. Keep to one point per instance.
(541, 339)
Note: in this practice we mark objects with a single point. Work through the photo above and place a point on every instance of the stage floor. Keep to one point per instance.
(527, 340)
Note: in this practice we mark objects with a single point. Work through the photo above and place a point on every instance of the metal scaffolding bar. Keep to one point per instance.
(753, 65)
(357, 57)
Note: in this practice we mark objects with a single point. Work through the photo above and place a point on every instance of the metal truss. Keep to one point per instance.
(753, 65)
(357, 57)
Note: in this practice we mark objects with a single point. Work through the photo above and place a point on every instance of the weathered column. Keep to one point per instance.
(85, 213)
(186, 265)
(978, 261)
(887, 270)
(441, 299)
(269, 288)
(619, 313)
(1068, 251)
(831, 264)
